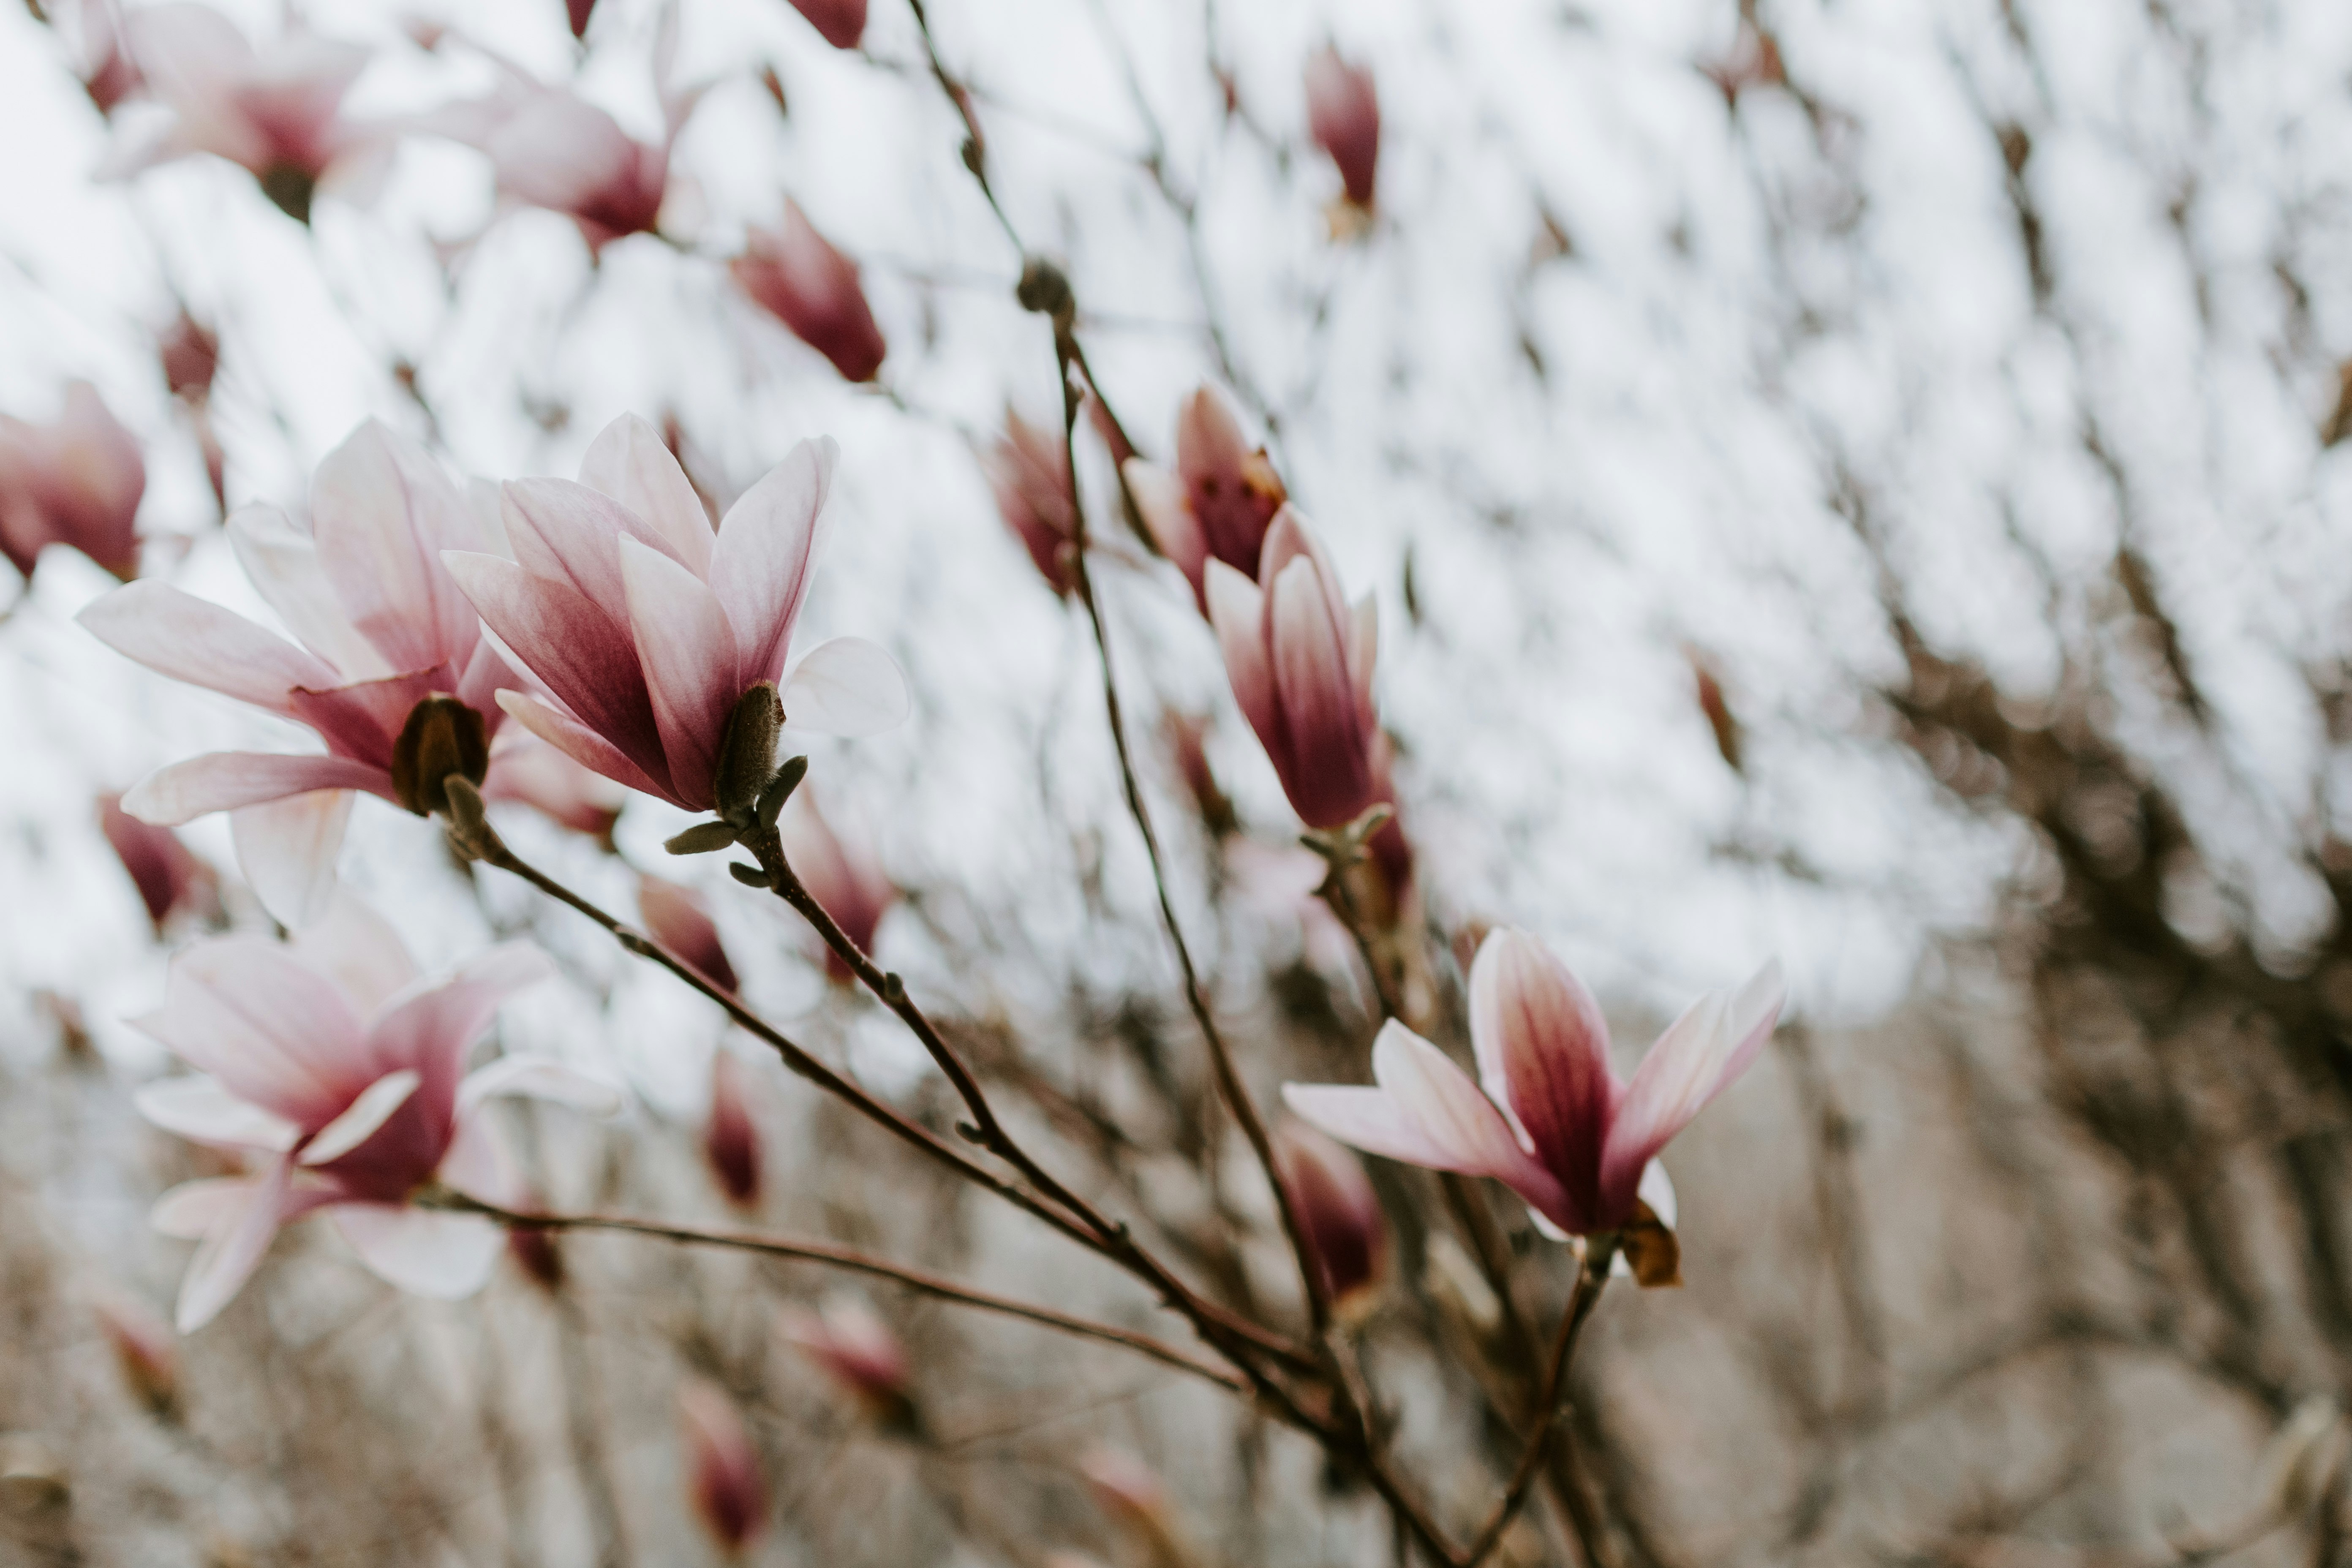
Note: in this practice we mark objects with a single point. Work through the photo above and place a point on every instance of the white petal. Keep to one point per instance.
(359, 948)
(282, 560)
(288, 848)
(847, 686)
(201, 1109)
(370, 1112)
(630, 462)
(191, 1210)
(231, 1250)
(444, 1255)
(539, 1078)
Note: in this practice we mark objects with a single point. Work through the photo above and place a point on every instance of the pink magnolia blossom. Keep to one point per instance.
(1343, 115)
(1555, 1123)
(1300, 660)
(276, 111)
(676, 918)
(840, 23)
(167, 874)
(528, 772)
(552, 150)
(1218, 503)
(1029, 472)
(839, 868)
(794, 274)
(76, 483)
(341, 1075)
(722, 1469)
(386, 642)
(642, 629)
(857, 1351)
(1345, 1233)
(108, 73)
(731, 1138)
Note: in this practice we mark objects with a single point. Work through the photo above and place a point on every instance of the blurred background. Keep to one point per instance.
(1856, 481)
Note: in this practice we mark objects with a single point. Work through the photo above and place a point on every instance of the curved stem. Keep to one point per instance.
(916, 1280)
(1590, 1283)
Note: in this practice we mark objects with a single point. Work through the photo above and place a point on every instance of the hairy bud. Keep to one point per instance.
(747, 757)
(1045, 289)
(470, 833)
(444, 738)
(730, 1140)
(722, 1470)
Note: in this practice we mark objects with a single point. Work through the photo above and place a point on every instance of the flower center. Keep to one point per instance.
(442, 739)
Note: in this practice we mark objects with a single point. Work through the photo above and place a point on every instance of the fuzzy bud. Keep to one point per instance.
(747, 756)
(722, 1470)
(1343, 115)
(1338, 1217)
(730, 1139)
(863, 1358)
(443, 739)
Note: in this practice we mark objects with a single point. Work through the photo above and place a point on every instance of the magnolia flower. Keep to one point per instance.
(392, 669)
(1554, 1124)
(1187, 735)
(840, 871)
(722, 1469)
(1343, 115)
(1030, 471)
(840, 23)
(275, 111)
(730, 1139)
(341, 1075)
(109, 74)
(550, 149)
(676, 918)
(794, 274)
(168, 876)
(857, 1351)
(1347, 1235)
(1220, 501)
(529, 771)
(642, 630)
(76, 483)
(1300, 660)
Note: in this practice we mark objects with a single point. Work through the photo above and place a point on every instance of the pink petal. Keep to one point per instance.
(282, 560)
(1236, 610)
(557, 153)
(1369, 1120)
(1440, 1098)
(232, 1249)
(767, 552)
(1160, 496)
(191, 1210)
(447, 1257)
(846, 686)
(204, 1111)
(484, 679)
(357, 948)
(584, 658)
(630, 462)
(1543, 1053)
(1695, 1060)
(579, 743)
(572, 534)
(382, 511)
(538, 1078)
(1330, 777)
(363, 1120)
(288, 849)
(364, 720)
(224, 781)
(477, 1165)
(275, 1032)
(687, 649)
(181, 635)
(431, 1030)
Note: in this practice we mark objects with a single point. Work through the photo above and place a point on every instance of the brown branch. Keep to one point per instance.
(1590, 1283)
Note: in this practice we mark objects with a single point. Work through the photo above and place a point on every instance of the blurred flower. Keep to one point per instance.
(643, 630)
(722, 1469)
(534, 1250)
(857, 1351)
(1715, 706)
(794, 274)
(1555, 1124)
(577, 13)
(1218, 502)
(730, 1139)
(550, 149)
(342, 1075)
(275, 111)
(392, 669)
(1030, 472)
(75, 482)
(529, 771)
(839, 870)
(1127, 1490)
(1187, 743)
(1106, 424)
(190, 353)
(108, 73)
(1345, 1233)
(1301, 661)
(1754, 60)
(1343, 115)
(676, 918)
(145, 1351)
(167, 873)
(840, 23)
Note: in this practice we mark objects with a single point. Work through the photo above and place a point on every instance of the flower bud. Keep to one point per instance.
(146, 1350)
(676, 918)
(577, 13)
(1338, 1217)
(1714, 707)
(730, 1140)
(839, 870)
(722, 1469)
(840, 23)
(1187, 735)
(443, 739)
(537, 1255)
(76, 483)
(747, 756)
(794, 274)
(863, 1359)
(1343, 114)
(168, 876)
(1030, 473)
(190, 355)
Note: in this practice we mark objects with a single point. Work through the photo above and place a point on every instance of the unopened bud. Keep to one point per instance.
(702, 839)
(470, 833)
(1126, 1489)
(676, 918)
(863, 1358)
(730, 1139)
(443, 739)
(1340, 1218)
(146, 1350)
(780, 790)
(290, 186)
(722, 1469)
(535, 1253)
(747, 757)
(1045, 289)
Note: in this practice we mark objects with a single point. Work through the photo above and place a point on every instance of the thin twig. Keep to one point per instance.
(1590, 1283)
